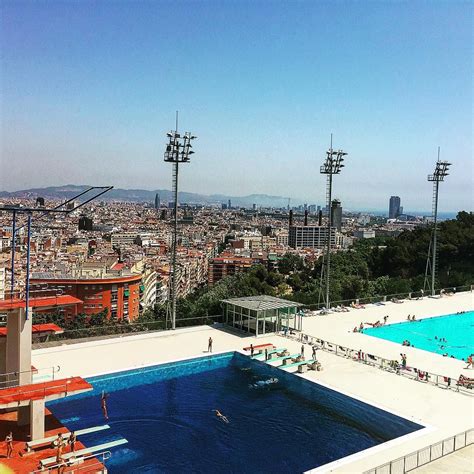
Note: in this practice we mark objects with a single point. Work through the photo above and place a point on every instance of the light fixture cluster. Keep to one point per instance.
(179, 147)
(334, 162)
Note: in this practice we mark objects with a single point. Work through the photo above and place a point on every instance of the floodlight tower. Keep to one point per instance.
(440, 172)
(177, 151)
(333, 165)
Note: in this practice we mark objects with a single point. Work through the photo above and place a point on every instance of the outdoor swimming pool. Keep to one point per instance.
(165, 412)
(457, 329)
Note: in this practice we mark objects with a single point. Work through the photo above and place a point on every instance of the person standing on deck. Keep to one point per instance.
(302, 349)
(209, 345)
(9, 441)
(72, 441)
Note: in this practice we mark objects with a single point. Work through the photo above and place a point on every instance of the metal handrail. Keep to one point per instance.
(128, 327)
(38, 391)
(104, 455)
(16, 375)
(386, 298)
(427, 454)
(386, 364)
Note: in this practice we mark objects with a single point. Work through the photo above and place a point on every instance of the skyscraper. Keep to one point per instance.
(336, 214)
(157, 201)
(229, 204)
(394, 207)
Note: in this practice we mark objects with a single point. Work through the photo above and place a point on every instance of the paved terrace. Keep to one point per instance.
(446, 412)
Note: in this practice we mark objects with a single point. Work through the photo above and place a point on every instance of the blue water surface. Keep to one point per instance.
(457, 329)
(165, 413)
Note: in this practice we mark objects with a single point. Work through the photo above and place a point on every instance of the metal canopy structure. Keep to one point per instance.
(262, 314)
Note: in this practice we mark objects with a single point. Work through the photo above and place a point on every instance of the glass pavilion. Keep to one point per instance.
(263, 314)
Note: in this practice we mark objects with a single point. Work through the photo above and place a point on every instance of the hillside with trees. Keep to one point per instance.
(371, 268)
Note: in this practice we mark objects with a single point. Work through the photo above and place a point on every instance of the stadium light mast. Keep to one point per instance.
(440, 172)
(333, 165)
(178, 150)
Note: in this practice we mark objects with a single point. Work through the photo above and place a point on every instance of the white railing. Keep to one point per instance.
(98, 465)
(13, 379)
(430, 378)
(425, 455)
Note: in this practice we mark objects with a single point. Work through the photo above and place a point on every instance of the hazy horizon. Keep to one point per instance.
(89, 90)
(295, 201)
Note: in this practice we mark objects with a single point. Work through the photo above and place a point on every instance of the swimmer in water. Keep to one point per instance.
(221, 416)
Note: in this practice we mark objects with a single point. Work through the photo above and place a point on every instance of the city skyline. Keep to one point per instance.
(262, 96)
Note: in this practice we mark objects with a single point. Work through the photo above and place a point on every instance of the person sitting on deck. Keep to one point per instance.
(221, 416)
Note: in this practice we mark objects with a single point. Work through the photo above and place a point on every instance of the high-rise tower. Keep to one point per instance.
(336, 214)
(394, 207)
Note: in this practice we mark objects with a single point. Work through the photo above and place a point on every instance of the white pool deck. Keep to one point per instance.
(444, 412)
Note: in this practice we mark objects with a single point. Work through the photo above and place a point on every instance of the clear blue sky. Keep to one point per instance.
(88, 90)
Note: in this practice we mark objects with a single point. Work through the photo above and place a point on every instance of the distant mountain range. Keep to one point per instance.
(143, 195)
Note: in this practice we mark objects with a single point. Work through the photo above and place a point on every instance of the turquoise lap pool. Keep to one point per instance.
(450, 335)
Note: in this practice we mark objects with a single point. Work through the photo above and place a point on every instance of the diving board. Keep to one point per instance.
(30, 445)
(297, 364)
(82, 452)
(259, 347)
(269, 353)
(277, 359)
(13, 397)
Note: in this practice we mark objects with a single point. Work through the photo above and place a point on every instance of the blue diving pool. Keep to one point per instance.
(165, 412)
(456, 329)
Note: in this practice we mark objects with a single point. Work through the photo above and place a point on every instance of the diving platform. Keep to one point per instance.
(23, 395)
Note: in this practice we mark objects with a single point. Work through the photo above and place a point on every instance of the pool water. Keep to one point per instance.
(457, 329)
(165, 413)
